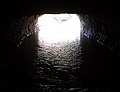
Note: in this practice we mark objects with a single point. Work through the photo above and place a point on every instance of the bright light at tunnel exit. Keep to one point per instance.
(54, 28)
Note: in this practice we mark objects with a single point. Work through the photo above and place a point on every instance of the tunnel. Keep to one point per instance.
(88, 63)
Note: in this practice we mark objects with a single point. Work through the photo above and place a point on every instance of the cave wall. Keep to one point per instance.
(19, 28)
(104, 29)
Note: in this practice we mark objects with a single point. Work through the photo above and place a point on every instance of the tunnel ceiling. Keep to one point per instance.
(33, 6)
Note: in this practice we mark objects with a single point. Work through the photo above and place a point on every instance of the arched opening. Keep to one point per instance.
(59, 28)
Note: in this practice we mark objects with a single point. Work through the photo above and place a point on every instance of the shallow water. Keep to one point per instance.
(79, 66)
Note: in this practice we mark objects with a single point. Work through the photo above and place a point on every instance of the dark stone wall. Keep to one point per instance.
(20, 28)
(104, 29)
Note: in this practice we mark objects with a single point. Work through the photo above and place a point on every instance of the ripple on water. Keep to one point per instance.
(55, 66)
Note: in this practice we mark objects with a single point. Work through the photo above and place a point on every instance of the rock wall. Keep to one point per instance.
(103, 28)
(19, 28)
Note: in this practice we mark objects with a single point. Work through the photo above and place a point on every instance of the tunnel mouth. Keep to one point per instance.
(59, 36)
(58, 28)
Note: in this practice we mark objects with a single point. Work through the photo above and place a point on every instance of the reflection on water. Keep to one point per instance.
(56, 63)
(58, 53)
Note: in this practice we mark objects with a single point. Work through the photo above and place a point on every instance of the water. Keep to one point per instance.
(80, 66)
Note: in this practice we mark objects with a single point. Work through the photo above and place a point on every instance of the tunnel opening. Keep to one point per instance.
(58, 28)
